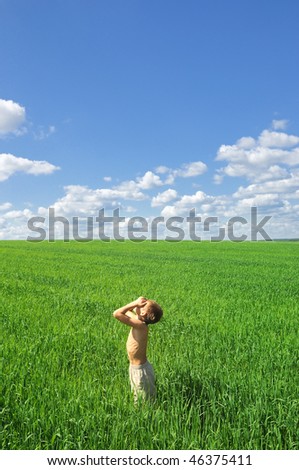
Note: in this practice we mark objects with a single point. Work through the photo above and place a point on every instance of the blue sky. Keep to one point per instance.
(154, 107)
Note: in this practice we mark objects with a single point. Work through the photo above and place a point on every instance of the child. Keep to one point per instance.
(141, 372)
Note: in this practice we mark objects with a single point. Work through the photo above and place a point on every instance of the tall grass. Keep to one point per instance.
(225, 353)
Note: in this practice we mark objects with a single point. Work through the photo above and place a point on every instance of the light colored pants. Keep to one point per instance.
(142, 378)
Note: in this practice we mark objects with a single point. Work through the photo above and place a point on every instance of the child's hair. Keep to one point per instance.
(153, 312)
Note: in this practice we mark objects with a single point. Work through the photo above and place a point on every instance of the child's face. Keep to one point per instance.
(141, 311)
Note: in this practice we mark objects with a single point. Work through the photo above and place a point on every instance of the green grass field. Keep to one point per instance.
(225, 353)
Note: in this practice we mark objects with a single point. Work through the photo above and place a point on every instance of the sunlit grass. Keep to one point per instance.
(225, 353)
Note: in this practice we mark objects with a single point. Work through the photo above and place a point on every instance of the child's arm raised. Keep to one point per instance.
(121, 313)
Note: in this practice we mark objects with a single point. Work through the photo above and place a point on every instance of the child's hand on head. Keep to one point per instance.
(141, 301)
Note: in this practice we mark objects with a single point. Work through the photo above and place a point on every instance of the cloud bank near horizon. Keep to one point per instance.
(267, 167)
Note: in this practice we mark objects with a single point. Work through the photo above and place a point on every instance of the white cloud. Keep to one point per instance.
(162, 169)
(259, 200)
(43, 133)
(13, 121)
(278, 186)
(5, 206)
(132, 189)
(251, 172)
(81, 200)
(246, 143)
(13, 224)
(164, 197)
(9, 164)
(169, 211)
(218, 177)
(232, 153)
(261, 156)
(199, 200)
(264, 159)
(17, 214)
(274, 172)
(279, 124)
(271, 171)
(84, 201)
(12, 116)
(189, 170)
(149, 180)
(277, 139)
(190, 200)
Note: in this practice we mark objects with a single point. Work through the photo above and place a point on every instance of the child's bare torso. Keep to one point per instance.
(137, 344)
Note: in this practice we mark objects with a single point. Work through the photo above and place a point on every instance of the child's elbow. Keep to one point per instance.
(114, 314)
